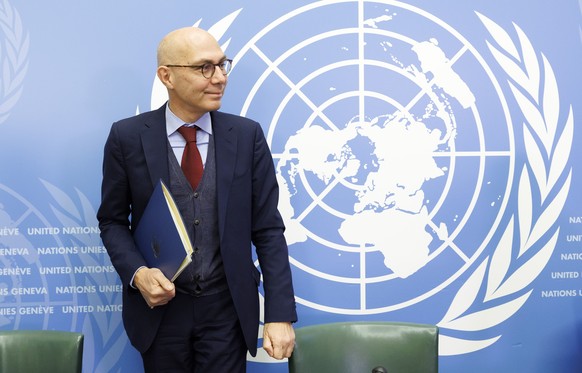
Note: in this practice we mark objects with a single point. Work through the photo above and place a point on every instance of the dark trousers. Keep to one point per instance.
(198, 335)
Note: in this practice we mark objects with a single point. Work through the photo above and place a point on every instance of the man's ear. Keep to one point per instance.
(165, 76)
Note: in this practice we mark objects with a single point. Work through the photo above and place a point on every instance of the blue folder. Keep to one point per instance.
(161, 235)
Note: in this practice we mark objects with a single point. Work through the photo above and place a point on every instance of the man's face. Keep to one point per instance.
(192, 94)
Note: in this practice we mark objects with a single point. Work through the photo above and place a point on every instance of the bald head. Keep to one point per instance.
(181, 55)
(182, 45)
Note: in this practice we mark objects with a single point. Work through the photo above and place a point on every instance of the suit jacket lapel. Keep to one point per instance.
(225, 148)
(155, 145)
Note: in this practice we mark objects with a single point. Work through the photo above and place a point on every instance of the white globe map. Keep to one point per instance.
(391, 195)
(399, 161)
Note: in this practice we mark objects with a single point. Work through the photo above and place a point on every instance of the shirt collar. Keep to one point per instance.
(173, 122)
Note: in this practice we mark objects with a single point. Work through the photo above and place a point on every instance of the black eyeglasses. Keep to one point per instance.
(208, 68)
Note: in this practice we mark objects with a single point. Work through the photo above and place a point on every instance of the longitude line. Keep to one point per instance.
(362, 112)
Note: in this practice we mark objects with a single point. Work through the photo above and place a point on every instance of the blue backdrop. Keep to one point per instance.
(427, 151)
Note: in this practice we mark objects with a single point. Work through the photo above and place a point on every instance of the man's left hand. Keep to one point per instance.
(278, 339)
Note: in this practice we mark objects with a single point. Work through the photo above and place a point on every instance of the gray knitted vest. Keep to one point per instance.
(205, 275)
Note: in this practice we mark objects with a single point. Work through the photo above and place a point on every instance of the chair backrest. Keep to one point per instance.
(359, 347)
(34, 351)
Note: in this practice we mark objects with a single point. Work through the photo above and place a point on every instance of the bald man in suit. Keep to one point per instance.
(208, 319)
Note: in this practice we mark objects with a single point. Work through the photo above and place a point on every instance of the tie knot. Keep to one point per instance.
(189, 133)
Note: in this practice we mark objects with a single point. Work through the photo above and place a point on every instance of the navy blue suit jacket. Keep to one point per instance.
(135, 158)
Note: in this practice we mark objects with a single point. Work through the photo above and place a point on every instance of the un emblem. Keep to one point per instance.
(395, 151)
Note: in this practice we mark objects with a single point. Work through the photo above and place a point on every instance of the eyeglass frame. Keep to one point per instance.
(215, 65)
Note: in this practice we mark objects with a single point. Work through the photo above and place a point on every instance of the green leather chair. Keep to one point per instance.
(32, 351)
(359, 347)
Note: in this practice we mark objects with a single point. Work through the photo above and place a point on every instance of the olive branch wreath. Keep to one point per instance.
(105, 328)
(543, 187)
(14, 63)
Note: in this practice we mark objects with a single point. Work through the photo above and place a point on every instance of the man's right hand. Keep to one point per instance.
(154, 287)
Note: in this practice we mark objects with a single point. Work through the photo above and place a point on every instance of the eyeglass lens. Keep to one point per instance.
(209, 68)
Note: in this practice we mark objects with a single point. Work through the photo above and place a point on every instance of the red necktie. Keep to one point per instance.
(191, 159)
